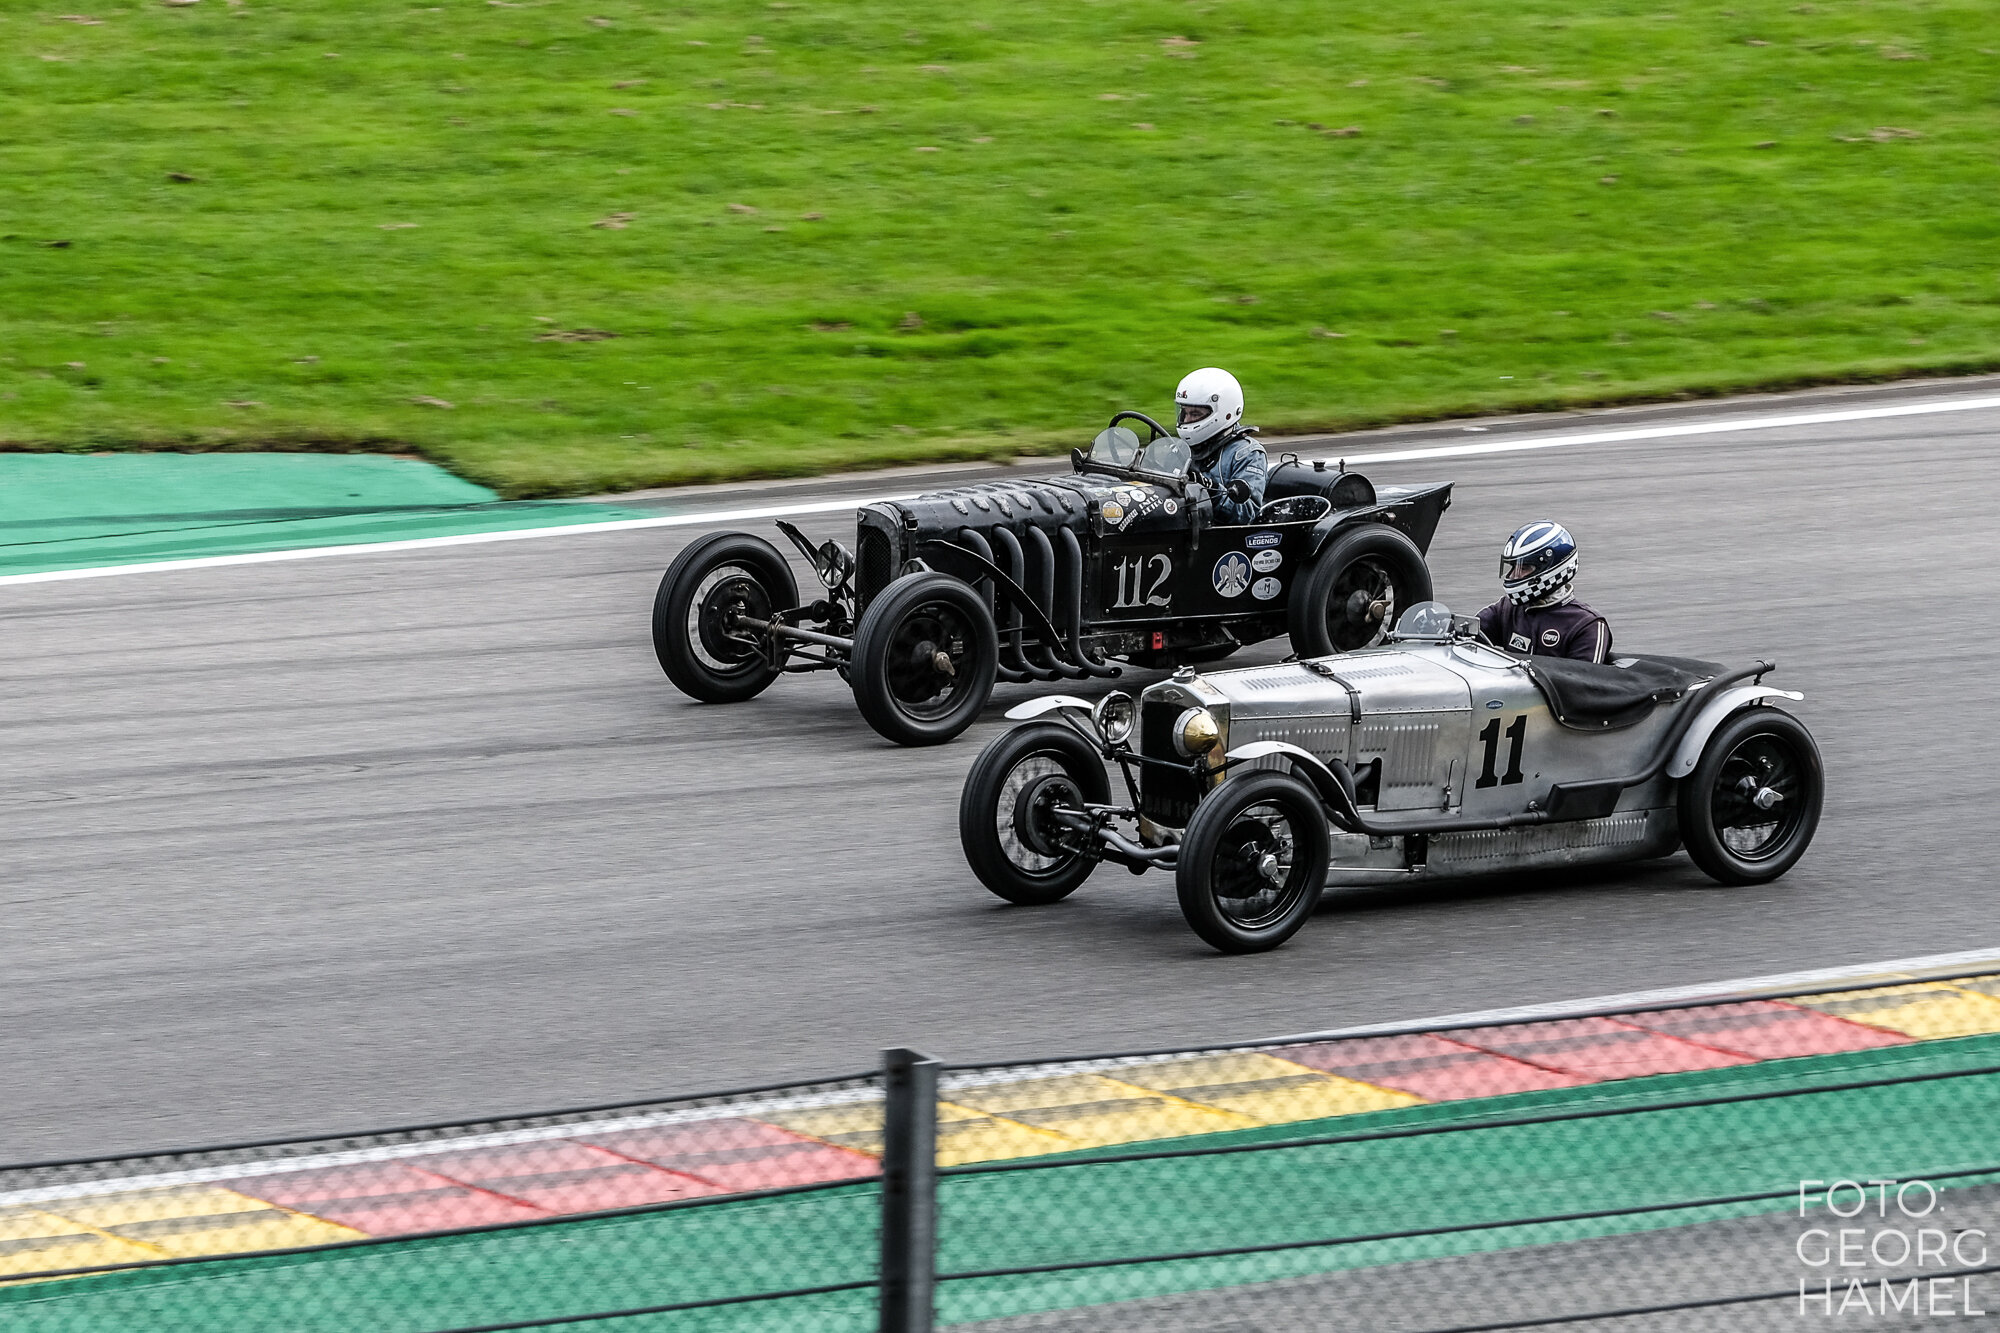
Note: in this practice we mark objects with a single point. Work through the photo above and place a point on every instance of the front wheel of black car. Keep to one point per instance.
(1351, 594)
(924, 659)
(1253, 862)
(1009, 815)
(696, 635)
(1749, 809)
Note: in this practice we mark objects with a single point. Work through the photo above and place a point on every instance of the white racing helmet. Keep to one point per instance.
(1210, 403)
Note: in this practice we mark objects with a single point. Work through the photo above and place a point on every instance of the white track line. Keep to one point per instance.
(1895, 972)
(1501, 446)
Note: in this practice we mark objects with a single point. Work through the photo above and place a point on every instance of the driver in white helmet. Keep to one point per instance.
(1225, 451)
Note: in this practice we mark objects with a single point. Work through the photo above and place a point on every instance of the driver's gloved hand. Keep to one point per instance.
(1239, 491)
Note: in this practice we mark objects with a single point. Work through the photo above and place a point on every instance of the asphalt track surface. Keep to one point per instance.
(376, 839)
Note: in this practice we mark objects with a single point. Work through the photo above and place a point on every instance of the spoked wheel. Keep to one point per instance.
(701, 647)
(1007, 814)
(924, 659)
(1749, 809)
(1354, 590)
(1253, 862)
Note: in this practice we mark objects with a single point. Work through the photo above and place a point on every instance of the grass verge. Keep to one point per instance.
(563, 247)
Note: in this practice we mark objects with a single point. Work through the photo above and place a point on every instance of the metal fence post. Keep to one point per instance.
(909, 1190)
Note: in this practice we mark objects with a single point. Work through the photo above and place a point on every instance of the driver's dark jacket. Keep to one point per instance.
(1569, 629)
(1241, 459)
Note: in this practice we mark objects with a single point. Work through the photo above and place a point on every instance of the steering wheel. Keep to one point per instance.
(1159, 431)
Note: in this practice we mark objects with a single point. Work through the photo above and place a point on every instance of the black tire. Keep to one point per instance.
(1354, 589)
(894, 668)
(1229, 899)
(1017, 856)
(721, 573)
(1727, 834)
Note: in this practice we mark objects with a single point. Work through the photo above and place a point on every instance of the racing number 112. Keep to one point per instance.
(1131, 574)
(1515, 734)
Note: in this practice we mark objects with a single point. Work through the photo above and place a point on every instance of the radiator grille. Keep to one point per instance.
(877, 561)
(1165, 796)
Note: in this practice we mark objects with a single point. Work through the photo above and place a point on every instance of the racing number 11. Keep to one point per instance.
(1516, 734)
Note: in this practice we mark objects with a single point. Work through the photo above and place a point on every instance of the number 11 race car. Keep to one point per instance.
(1048, 579)
(1435, 755)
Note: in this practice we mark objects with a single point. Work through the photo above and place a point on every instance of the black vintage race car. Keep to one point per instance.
(1046, 579)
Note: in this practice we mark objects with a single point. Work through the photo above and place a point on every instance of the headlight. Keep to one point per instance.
(1195, 732)
(1113, 717)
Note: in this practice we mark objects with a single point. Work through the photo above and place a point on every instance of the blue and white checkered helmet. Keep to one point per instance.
(1538, 559)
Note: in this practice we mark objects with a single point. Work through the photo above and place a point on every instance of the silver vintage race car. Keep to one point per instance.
(1433, 755)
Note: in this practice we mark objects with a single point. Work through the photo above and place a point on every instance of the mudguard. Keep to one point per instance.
(1014, 592)
(1048, 703)
(1315, 770)
(1712, 715)
(1415, 510)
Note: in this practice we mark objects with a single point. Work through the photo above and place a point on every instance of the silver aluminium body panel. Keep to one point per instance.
(1451, 730)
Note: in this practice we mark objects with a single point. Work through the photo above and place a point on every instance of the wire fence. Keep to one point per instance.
(1721, 1166)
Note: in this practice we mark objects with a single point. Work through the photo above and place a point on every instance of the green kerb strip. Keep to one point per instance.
(68, 512)
(1125, 1207)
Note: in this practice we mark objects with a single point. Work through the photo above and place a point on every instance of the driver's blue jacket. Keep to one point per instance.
(1242, 459)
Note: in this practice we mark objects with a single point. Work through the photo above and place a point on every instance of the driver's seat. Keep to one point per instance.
(1295, 509)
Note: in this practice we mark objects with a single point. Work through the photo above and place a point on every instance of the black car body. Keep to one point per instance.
(1047, 578)
(1138, 570)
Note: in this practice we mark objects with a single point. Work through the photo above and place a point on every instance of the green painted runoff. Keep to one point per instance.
(66, 511)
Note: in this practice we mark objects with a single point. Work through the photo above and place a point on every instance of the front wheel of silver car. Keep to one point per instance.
(1253, 862)
(1009, 813)
(1749, 809)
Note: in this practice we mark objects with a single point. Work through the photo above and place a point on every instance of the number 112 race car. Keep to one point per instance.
(1436, 755)
(1048, 579)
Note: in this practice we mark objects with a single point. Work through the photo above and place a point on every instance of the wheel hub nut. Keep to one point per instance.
(1766, 797)
(1267, 866)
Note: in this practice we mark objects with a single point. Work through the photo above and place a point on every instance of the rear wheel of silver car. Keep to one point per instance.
(713, 582)
(1351, 594)
(1749, 809)
(1253, 862)
(924, 659)
(1009, 815)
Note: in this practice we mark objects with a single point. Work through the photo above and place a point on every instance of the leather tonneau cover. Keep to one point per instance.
(1602, 696)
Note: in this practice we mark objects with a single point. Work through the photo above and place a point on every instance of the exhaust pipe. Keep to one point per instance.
(1045, 656)
(1011, 634)
(1072, 623)
(977, 544)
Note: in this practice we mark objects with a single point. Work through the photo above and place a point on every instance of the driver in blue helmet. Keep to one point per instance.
(1224, 450)
(1538, 612)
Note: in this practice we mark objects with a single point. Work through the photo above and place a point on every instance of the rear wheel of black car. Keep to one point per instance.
(1008, 813)
(1253, 862)
(924, 659)
(715, 580)
(1354, 589)
(1749, 809)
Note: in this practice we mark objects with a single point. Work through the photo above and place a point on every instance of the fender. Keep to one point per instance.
(1048, 703)
(1014, 592)
(1324, 780)
(1419, 508)
(1712, 715)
